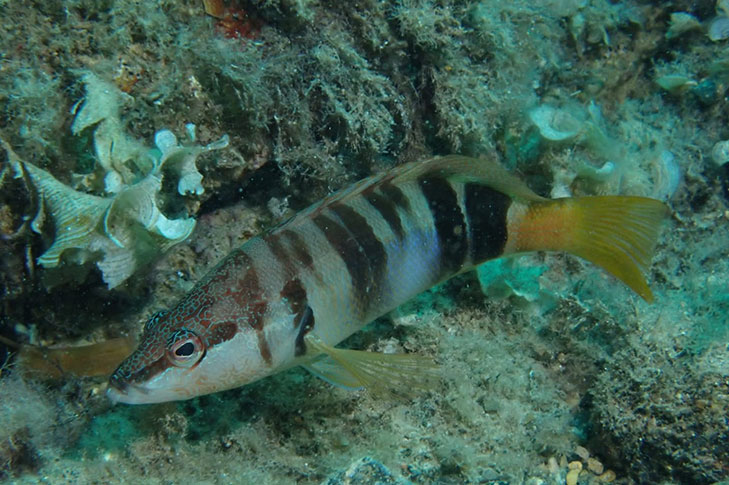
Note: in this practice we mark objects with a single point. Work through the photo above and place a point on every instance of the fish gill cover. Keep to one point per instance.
(552, 372)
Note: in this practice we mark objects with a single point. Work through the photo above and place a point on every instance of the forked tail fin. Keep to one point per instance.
(617, 233)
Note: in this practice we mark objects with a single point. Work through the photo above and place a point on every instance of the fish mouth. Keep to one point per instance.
(121, 391)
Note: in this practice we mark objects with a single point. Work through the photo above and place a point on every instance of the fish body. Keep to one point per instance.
(288, 296)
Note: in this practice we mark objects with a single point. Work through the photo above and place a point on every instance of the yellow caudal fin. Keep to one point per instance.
(617, 233)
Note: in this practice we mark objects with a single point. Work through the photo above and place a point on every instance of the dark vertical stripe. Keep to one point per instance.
(221, 332)
(350, 252)
(255, 312)
(279, 252)
(263, 347)
(393, 192)
(294, 294)
(370, 246)
(450, 224)
(486, 210)
(387, 210)
(301, 251)
(248, 294)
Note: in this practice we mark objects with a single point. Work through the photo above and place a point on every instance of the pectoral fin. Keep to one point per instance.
(393, 374)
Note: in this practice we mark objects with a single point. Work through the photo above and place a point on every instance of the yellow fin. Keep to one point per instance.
(617, 233)
(329, 370)
(391, 374)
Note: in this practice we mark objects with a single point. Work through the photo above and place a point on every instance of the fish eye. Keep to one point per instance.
(185, 349)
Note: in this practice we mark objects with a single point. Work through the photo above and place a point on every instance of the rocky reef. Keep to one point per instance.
(142, 141)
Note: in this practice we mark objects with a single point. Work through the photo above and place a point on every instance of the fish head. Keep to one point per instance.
(180, 357)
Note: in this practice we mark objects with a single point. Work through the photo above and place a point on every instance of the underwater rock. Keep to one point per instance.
(675, 83)
(667, 176)
(366, 470)
(584, 126)
(719, 29)
(720, 155)
(720, 152)
(705, 92)
(598, 174)
(555, 124)
(680, 23)
(662, 416)
(520, 278)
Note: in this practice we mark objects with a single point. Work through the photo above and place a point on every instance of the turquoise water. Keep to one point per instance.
(142, 141)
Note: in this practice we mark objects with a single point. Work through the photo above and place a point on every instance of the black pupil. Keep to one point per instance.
(185, 350)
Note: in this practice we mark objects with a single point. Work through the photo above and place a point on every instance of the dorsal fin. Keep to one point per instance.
(467, 169)
(456, 168)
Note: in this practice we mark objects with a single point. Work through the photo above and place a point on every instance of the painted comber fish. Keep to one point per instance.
(287, 297)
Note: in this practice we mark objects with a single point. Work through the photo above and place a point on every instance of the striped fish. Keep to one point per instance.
(287, 297)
